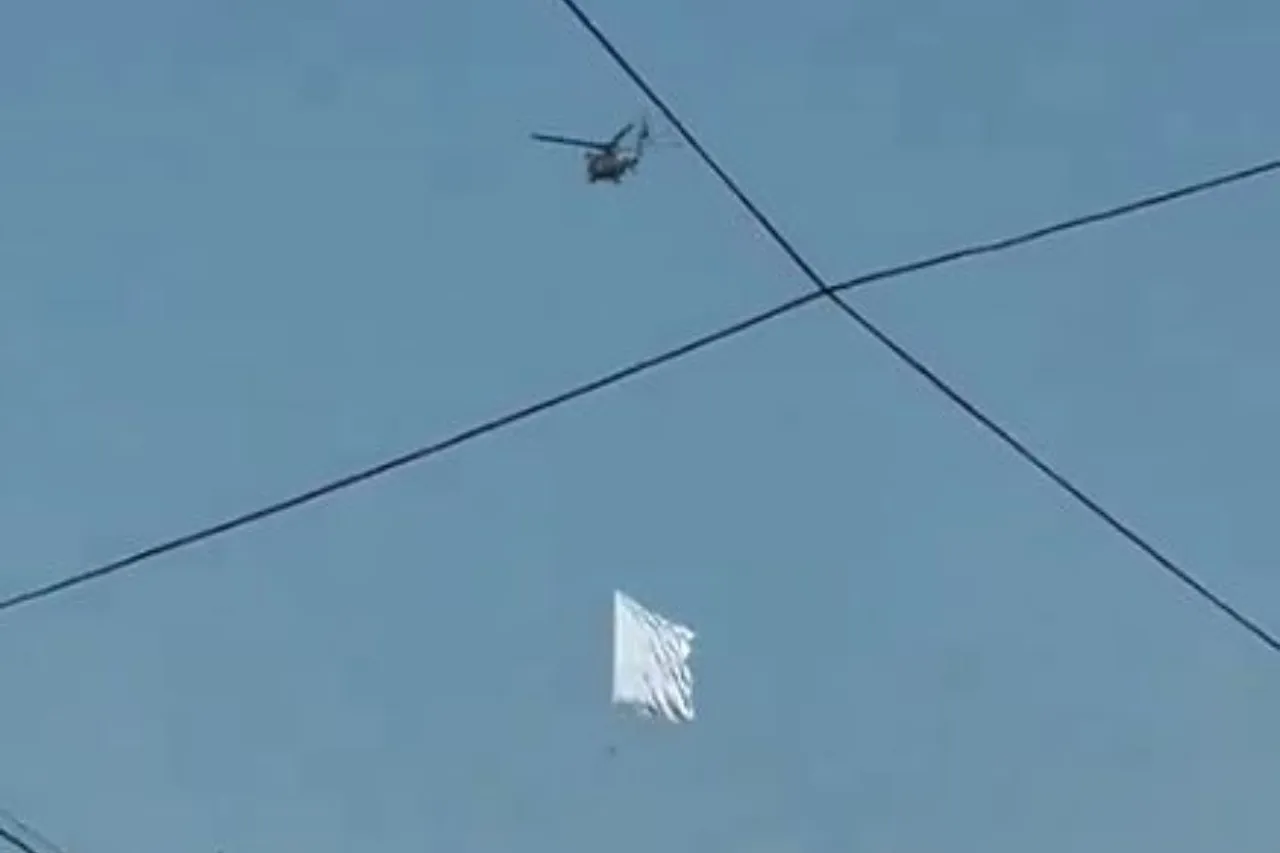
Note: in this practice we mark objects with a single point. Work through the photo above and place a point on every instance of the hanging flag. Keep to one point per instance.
(651, 662)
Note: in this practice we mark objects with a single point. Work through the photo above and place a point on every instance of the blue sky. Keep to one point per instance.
(245, 247)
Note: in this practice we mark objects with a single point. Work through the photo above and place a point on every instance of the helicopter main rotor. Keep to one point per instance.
(603, 147)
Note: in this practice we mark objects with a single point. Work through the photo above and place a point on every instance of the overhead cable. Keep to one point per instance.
(27, 830)
(622, 374)
(6, 835)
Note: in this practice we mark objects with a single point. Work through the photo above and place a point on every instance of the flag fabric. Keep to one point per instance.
(651, 672)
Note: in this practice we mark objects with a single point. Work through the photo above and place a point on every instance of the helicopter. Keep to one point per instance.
(607, 161)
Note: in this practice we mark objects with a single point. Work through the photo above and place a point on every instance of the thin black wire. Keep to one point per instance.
(28, 830)
(825, 290)
(625, 373)
(16, 841)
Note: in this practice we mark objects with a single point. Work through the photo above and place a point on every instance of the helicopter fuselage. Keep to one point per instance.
(608, 165)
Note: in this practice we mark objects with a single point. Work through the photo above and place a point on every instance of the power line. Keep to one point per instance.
(635, 369)
(915, 364)
(28, 830)
(8, 836)
(17, 840)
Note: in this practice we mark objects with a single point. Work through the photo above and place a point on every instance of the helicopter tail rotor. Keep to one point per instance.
(642, 136)
(663, 137)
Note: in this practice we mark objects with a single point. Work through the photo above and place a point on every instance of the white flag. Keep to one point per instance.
(651, 662)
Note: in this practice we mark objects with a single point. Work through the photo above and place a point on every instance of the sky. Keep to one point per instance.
(245, 247)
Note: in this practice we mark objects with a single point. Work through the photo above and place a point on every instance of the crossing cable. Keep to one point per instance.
(16, 841)
(825, 290)
(622, 374)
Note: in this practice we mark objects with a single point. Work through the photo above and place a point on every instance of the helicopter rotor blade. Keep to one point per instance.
(642, 136)
(617, 137)
(570, 141)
